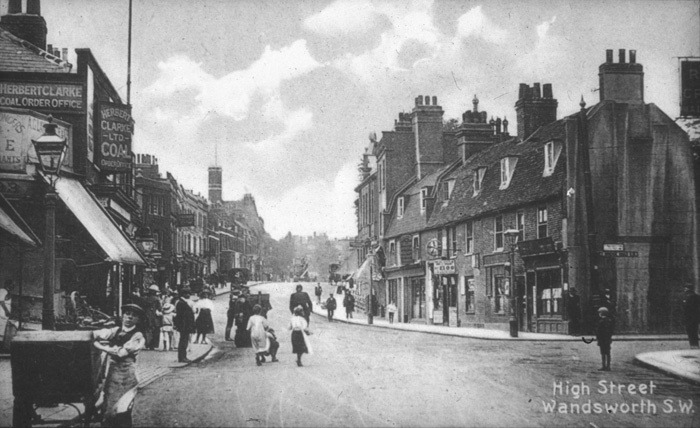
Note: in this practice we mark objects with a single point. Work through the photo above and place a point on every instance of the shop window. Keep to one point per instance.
(417, 297)
(498, 233)
(495, 287)
(549, 291)
(393, 291)
(541, 222)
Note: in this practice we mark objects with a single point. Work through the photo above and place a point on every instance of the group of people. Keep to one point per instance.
(331, 304)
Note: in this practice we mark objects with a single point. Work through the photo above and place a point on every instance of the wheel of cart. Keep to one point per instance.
(55, 367)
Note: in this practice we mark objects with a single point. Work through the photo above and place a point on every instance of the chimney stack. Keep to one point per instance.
(29, 26)
(427, 129)
(476, 132)
(534, 110)
(622, 82)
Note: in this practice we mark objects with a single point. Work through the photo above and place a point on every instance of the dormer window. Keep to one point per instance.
(446, 190)
(423, 199)
(400, 207)
(552, 150)
(478, 179)
(507, 170)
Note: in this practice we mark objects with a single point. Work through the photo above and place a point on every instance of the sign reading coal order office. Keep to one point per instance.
(115, 128)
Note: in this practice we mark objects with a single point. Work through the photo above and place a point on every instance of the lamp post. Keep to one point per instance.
(511, 235)
(51, 151)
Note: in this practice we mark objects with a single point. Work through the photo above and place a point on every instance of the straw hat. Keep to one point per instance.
(168, 308)
(133, 307)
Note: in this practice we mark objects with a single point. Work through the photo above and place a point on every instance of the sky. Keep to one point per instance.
(283, 94)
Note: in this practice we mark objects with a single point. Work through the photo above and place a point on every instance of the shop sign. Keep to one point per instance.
(47, 97)
(613, 247)
(115, 129)
(17, 129)
(185, 220)
(536, 247)
(690, 88)
(444, 267)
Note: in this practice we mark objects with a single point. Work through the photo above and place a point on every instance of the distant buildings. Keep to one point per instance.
(601, 199)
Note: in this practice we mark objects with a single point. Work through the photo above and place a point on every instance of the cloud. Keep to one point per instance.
(475, 24)
(544, 27)
(344, 17)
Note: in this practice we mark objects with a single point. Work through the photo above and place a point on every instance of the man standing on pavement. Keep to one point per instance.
(331, 304)
(184, 324)
(230, 315)
(301, 298)
(691, 314)
(349, 303)
(319, 292)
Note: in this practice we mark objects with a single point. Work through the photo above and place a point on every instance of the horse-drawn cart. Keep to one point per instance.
(55, 367)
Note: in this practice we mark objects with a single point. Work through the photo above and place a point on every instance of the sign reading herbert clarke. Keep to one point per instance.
(44, 97)
(115, 129)
(690, 88)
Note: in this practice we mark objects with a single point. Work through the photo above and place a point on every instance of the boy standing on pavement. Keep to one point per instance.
(604, 336)
(331, 304)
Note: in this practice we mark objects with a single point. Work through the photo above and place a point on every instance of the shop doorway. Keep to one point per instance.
(418, 298)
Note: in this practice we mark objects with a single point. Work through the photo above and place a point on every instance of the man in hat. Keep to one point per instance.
(231, 314)
(301, 298)
(122, 345)
(184, 323)
(153, 310)
(691, 314)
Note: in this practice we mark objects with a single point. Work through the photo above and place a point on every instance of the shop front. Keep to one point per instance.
(444, 292)
(544, 287)
(406, 287)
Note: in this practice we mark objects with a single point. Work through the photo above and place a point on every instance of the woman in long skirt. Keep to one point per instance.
(204, 321)
(121, 344)
(300, 329)
(257, 325)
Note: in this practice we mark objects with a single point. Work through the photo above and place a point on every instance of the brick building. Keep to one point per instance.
(631, 228)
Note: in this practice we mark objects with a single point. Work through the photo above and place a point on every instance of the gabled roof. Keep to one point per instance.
(21, 56)
(527, 184)
(412, 220)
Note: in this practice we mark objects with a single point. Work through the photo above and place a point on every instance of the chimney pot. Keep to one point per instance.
(608, 55)
(547, 90)
(633, 56)
(49, 48)
(57, 53)
(34, 7)
(427, 100)
(536, 91)
(15, 6)
(419, 100)
(621, 56)
(434, 100)
(64, 54)
(522, 92)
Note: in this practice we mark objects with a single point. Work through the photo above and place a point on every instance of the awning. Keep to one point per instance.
(98, 223)
(12, 223)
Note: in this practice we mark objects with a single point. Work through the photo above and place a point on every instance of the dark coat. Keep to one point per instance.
(300, 298)
(184, 317)
(604, 332)
(349, 302)
(331, 303)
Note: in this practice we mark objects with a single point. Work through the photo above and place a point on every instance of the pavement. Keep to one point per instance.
(683, 363)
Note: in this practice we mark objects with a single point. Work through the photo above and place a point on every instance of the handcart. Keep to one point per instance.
(55, 367)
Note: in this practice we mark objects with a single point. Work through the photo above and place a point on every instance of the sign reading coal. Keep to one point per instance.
(690, 88)
(115, 129)
(44, 97)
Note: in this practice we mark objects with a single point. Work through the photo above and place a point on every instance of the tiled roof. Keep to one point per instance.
(21, 56)
(526, 185)
(412, 219)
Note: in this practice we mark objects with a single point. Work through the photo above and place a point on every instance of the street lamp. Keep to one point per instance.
(511, 235)
(51, 151)
(145, 241)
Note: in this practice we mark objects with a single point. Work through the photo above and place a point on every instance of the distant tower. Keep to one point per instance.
(215, 180)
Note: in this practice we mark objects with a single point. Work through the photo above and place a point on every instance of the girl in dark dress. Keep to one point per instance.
(204, 322)
(300, 330)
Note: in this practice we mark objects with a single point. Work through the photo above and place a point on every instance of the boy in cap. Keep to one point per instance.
(604, 336)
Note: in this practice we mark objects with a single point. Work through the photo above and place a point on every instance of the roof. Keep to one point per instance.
(18, 55)
(527, 184)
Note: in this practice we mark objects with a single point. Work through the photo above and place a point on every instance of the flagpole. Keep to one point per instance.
(128, 72)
